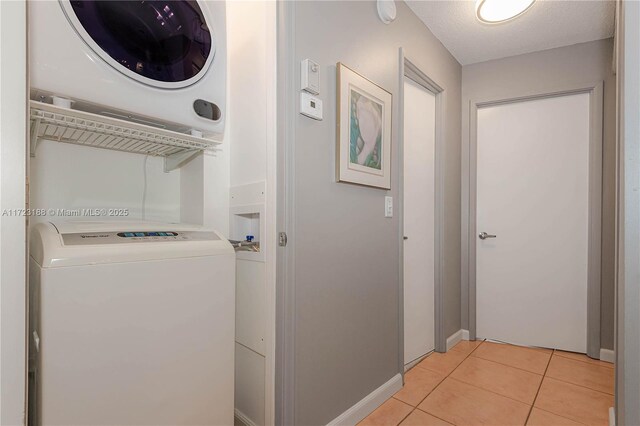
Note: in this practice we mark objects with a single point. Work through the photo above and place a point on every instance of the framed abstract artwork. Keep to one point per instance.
(363, 141)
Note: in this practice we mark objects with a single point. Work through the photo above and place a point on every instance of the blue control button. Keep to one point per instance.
(139, 234)
(152, 234)
(128, 234)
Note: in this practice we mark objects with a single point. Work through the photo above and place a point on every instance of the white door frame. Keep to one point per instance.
(595, 92)
(13, 247)
(409, 70)
(286, 98)
(271, 206)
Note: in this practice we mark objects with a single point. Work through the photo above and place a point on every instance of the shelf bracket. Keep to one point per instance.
(33, 137)
(174, 161)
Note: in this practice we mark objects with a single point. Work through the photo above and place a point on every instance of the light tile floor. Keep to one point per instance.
(486, 383)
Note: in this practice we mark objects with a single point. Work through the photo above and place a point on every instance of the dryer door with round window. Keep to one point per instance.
(165, 44)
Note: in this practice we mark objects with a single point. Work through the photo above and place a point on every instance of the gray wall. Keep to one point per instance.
(346, 277)
(543, 71)
(628, 290)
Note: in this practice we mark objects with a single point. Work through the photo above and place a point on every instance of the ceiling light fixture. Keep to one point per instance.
(497, 11)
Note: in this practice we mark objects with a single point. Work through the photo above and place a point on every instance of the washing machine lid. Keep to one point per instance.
(76, 243)
(161, 43)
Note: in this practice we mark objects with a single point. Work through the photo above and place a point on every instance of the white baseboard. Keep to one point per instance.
(607, 355)
(369, 403)
(456, 337)
(240, 417)
(612, 416)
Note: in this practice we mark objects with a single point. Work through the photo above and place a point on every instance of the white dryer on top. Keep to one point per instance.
(150, 61)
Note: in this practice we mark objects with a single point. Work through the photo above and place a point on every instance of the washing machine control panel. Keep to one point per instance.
(165, 234)
(124, 237)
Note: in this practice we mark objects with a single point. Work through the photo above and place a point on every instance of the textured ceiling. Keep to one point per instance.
(548, 24)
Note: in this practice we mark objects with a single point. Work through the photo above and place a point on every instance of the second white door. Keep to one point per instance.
(533, 195)
(419, 220)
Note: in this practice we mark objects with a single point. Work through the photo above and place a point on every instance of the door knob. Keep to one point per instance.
(484, 236)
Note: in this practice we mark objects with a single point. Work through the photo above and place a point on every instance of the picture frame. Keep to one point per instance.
(363, 134)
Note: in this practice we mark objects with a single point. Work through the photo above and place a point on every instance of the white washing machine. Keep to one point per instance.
(139, 60)
(133, 324)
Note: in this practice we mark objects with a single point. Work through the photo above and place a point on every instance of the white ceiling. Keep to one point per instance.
(548, 24)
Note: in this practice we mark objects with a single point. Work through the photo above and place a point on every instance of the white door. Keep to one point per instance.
(532, 194)
(419, 220)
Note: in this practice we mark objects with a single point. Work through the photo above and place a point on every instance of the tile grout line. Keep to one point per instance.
(595, 364)
(533, 404)
(422, 411)
(560, 415)
(442, 381)
(502, 363)
(508, 366)
(490, 391)
(405, 417)
(454, 369)
(401, 420)
(433, 415)
(431, 391)
(583, 363)
(575, 384)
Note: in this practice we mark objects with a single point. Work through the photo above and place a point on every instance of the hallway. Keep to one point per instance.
(497, 384)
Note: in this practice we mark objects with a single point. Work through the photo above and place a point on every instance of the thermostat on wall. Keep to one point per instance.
(310, 76)
(310, 106)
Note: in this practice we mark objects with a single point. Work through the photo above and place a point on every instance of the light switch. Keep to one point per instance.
(388, 206)
(310, 76)
(310, 106)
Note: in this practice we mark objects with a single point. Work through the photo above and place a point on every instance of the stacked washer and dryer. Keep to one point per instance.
(132, 322)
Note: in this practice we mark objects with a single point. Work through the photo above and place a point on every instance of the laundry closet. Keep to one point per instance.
(116, 137)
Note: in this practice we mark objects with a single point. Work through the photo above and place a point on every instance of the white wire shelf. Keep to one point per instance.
(66, 125)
